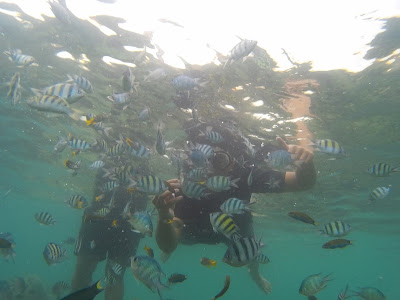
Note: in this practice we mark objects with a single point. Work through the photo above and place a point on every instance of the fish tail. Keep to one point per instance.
(213, 263)
(233, 182)
(90, 122)
(76, 115)
(395, 169)
(37, 92)
(70, 79)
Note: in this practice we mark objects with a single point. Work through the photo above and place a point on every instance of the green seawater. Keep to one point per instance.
(360, 110)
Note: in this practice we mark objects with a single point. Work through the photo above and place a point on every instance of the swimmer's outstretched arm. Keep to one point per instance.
(167, 232)
(305, 175)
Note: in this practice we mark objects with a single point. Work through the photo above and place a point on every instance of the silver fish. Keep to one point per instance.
(18, 58)
(14, 92)
(240, 51)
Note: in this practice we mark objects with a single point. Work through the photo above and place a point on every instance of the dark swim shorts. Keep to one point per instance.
(100, 240)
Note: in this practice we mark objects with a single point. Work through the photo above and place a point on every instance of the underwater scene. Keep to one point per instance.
(199, 150)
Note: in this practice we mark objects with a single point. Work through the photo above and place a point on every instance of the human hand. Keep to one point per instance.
(165, 203)
(300, 155)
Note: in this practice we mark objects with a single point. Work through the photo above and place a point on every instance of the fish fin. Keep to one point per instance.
(76, 115)
(110, 98)
(213, 263)
(90, 122)
(37, 92)
(70, 79)
(164, 256)
(395, 169)
(315, 223)
(233, 182)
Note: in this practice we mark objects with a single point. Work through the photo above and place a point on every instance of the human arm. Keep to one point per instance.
(261, 282)
(305, 175)
(167, 234)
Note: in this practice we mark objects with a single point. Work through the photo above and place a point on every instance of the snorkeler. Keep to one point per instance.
(231, 159)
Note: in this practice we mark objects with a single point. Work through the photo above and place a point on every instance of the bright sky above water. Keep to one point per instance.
(331, 34)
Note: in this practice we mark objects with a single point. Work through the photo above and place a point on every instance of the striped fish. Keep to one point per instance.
(109, 186)
(116, 150)
(70, 92)
(224, 224)
(343, 294)
(138, 150)
(221, 183)
(120, 100)
(262, 259)
(382, 169)
(55, 104)
(148, 271)
(379, 193)
(97, 164)
(100, 128)
(212, 136)
(242, 252)
(193, 190)
(53, 254)
(328, 146)
(336, 229)
(14, 92)
(82, 82)
(142, 223)
(369, 293)
(45, 218)
(59, 288)
(207, 150)
(235, 206)
(197, 174)
(102, 212)
(149, 184)
(77, 201)
(18, 58)
(78, 144)
(240, 51)
(101, 145)
(313, 284)
(117, 269)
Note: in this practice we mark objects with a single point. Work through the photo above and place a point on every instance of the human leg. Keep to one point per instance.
(84, 269)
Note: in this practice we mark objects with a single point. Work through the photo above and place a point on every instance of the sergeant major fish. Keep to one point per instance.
(193, 190)
(53, 254)
(120, 100)
(186, 83)
(77, 201)
(235, 206)
(81, 81)
(221, 183)
(379, 193)
(243, 252)
(149, 184)
(328, 146)
(336, 229)
(313, 284)
(224, 224)
(382, 169)
(240, 51)
(70, 92)
(45, 218)
(55, 104)
(14, 92)
(18, 58)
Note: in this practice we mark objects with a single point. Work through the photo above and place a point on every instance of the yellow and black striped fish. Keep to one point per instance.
(224, 224)
(77, 201)
(44, 218)
(336, 229)
(150, 185)
(379, 193)
(328, 146)
(382, 169)
(53, 253)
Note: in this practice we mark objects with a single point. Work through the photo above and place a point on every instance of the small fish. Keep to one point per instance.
(77, 144)
(150, 185)
(155, 75)
(221, 183)
(102, 212)
(97, 164)
(18, 58)
(208, 262)
(193, 190)
(336, 229)
(149, 251)
(69, 92)
(160, 142)
(138, 150)
(59, 288)
(45, 218)
(60, 12)
(337, 243)
(121, 100)
(77, 201)
(369, 293)
(55, 104)
(82, 82)
(116, 150)
(186, 83)
(235, 206)
(379, 193)
(279, 159)
(197, 174)
(328, 146)
(382, 169)
(117, 269)
(242, 252)
(142, 223)
(176, 278)
(109, 186)
(8, 243)
(313, 284)
(240, 51)
(100, 128)
(224, 289)
(144, 115)
(212, 136)
(148, 271)
(128, 81)
(343, 294)
(300, 216)
(198, 158)
(224, 224)
(206, 149)
(88, 293)
(72, 165)
(14, 91)
(53, 254)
